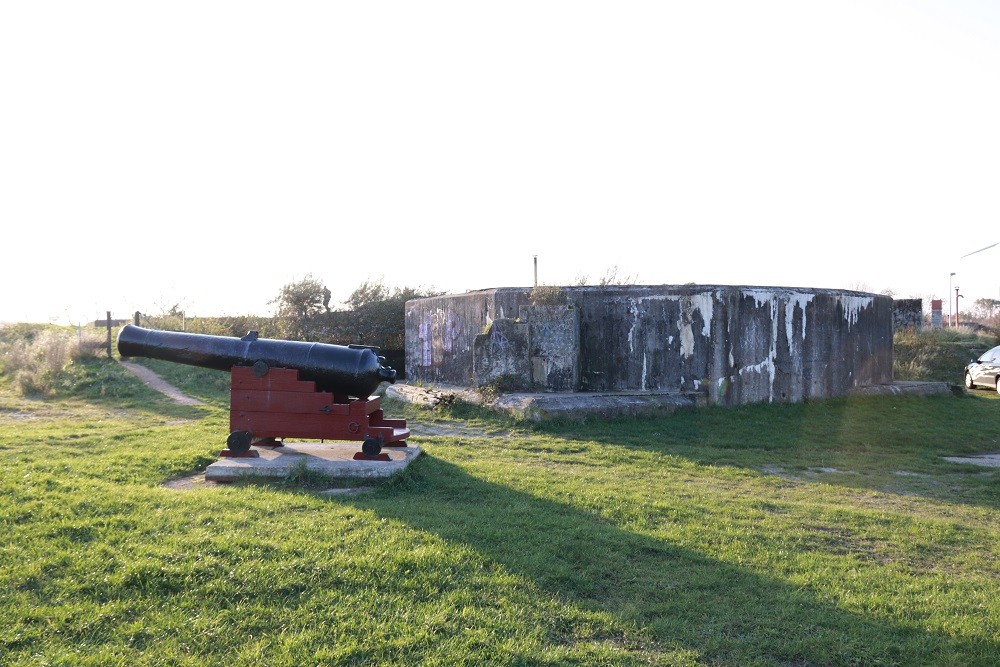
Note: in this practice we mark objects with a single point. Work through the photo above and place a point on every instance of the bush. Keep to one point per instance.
(374, 314)
(233, 326)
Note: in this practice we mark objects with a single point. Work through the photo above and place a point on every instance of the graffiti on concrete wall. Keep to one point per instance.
(452, 329)
(498, 341)
(554, 335)
(438, 331)
(426, 343)
(909, 313)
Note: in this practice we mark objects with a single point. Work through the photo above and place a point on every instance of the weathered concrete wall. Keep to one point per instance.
(735, 344)
(441, 331)
(554, 336)
(538, 351)
(502, 356)
(908, 314)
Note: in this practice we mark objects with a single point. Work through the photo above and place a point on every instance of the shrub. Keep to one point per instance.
(374, 314)
(234, 326)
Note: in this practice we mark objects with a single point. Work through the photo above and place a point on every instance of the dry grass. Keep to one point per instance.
(37, 362)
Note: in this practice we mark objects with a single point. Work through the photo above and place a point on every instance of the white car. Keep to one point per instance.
(984, 371)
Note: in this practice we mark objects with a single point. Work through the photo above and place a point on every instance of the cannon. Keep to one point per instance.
(281, 388)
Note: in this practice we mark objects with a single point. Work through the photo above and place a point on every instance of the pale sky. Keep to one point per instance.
(207, 153)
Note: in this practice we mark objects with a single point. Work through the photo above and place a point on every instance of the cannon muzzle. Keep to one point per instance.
(349, 370)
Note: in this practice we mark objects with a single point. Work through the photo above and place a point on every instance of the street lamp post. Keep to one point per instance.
(951, 318)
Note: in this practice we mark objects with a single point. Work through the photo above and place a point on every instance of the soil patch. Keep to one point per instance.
(190, 482)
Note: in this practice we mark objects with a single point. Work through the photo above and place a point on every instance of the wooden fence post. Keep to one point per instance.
(108, 323)
(109, 334)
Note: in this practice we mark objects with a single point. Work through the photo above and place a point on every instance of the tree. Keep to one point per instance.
(377, 314)
(374, 314)
(298, 305)
(986, 309)
(367, 293)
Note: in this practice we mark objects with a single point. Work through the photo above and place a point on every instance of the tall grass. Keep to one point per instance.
(937, 354)
(38, 360)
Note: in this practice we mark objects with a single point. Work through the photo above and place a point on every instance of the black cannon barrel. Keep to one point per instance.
(352, 370)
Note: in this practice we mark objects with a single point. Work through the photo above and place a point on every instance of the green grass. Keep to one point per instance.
(826, 533)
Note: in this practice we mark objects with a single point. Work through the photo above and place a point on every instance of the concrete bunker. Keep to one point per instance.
(729, 345)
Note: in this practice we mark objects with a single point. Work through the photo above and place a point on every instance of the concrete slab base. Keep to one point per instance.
(990, 460)
(602, 405)
(909, 388)
(606, 405)
(331, 459)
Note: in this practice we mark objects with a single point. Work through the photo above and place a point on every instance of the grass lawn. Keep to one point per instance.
(826, 533)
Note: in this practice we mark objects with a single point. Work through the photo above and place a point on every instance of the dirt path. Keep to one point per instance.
(154, 381)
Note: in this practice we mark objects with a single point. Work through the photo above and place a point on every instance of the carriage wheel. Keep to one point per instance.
(371, 446)
(239, 442)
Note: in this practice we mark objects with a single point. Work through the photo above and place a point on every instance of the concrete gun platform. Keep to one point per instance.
(608, 405)
(330, 459)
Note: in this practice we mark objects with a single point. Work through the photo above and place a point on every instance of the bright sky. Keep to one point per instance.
(207, 153)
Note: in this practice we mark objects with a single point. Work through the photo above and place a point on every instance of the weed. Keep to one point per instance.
(547, 295)
(501, 385)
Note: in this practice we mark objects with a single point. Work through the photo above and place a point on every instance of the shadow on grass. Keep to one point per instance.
(893, 444)
(679, 597)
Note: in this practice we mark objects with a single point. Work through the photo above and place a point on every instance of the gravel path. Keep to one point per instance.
(154, 381)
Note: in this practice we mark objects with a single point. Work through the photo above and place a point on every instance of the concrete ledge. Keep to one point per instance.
(607, 405)
(328, 459)
(538, 406)
(906, 387)
(604, 405)
(430, 397)
(991, 460)
(579, 405)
